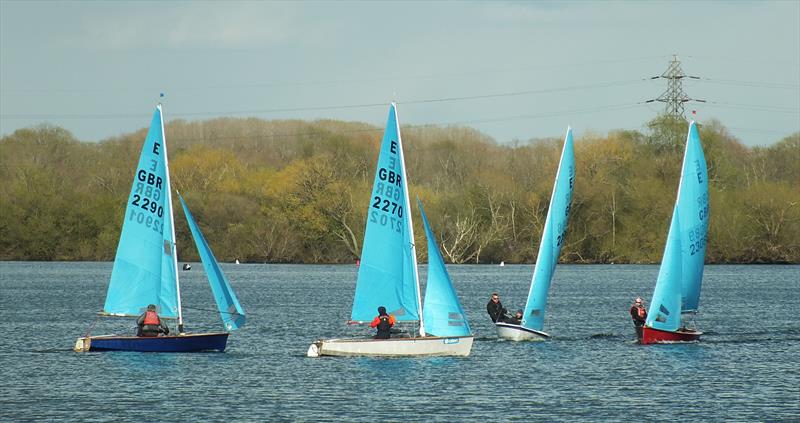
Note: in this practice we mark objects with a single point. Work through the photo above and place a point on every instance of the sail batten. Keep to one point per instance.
(230, 310)
(555, 229)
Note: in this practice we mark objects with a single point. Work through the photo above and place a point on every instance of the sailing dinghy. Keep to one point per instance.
(146, 268)
(677, 291)
(387, 275)
(555, 229)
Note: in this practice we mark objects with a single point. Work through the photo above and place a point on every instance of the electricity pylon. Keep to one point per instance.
(674, 97)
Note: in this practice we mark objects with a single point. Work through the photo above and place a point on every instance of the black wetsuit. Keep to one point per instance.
(384, 328)
(496, 311)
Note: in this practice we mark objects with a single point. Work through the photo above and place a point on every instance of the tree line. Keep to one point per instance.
(298, 191)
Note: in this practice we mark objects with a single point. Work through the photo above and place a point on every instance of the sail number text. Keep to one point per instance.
(697, 235)
(146, 198)
(387, 196)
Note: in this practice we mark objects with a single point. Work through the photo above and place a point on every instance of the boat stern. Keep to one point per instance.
(314, 349)
(83, 344)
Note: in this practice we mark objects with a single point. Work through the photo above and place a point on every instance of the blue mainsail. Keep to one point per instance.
(387, 275)
(692, 207)
(228, 305)
(679, 278)
(555, 229)
(145, 266)
(442, 312)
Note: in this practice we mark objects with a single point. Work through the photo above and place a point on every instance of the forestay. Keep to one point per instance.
(145, 267)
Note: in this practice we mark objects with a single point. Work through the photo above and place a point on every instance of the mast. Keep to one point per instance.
(172, 224)
(410, 225)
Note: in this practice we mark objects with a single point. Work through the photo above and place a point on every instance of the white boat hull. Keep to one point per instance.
(393, 347)
(519, 333)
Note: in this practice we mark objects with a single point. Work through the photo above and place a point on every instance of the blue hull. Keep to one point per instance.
(178, 343)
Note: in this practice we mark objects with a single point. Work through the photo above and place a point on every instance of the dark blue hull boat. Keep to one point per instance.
(171, 343)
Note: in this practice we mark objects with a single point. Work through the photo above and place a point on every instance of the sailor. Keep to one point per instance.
(638, 312)
(383, 322)
(150, 324)
(495, 309)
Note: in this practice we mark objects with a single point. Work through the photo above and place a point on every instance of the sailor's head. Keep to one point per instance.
(151, 307)
(495, 297)
(638, 300)
(382, 311)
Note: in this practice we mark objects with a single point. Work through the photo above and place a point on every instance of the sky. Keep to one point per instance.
(513, 70)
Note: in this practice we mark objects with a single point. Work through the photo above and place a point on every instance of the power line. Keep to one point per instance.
(754, 107)
(437, 75)
(318, 108)
(754, 84)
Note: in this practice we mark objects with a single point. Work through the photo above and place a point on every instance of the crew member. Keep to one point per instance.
(150, 324)
(383, 322)
(495, 309)
(638, 312)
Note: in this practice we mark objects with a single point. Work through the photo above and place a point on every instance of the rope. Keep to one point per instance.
(218, 311)
(94, 322)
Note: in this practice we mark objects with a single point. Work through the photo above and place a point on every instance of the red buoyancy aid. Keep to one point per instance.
(150, 318)
(641, 312)
(384, 323)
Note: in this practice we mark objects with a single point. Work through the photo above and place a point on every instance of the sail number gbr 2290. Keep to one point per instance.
(146, 201)
(387, 196)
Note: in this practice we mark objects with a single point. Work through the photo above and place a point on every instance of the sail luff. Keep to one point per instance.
(171, 217)
(230, 310)
(442, 312)
(140, 275)
(555, 229)
(410, 224)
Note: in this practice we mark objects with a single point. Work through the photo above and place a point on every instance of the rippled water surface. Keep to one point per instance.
(745, 368)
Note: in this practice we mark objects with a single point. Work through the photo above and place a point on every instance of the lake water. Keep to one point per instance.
(744, 369)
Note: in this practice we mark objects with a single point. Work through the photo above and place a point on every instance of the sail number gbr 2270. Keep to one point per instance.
(387, 205)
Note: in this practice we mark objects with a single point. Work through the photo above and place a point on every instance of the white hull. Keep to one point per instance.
(393, 347)
(519, 333)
